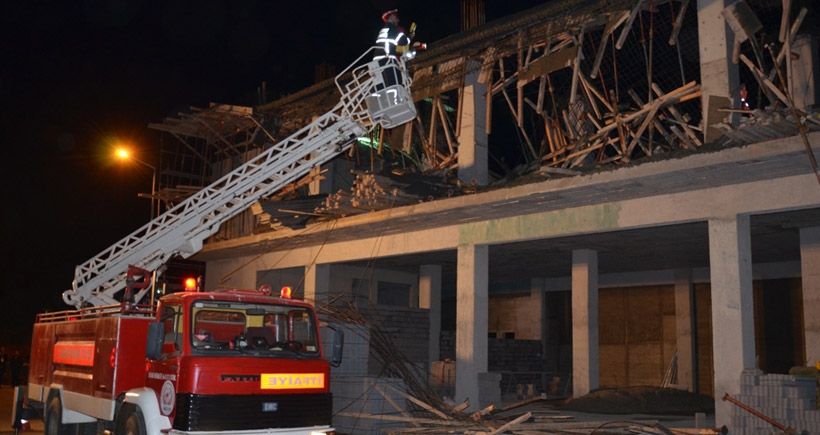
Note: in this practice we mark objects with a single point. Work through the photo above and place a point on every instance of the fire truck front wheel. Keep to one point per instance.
(129, 421)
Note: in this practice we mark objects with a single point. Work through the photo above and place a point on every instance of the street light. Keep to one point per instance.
(123, 154)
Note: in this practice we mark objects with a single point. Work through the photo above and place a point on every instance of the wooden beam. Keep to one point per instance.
(573, 90)
(394, 404)
(678, 24)
(445, 125)
(420, 403)
(792, 33)
(614, 21)
(515, 422)
(677, 115)
(766, 85)
(630, 20)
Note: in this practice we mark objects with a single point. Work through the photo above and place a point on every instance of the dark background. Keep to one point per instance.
(78, 77)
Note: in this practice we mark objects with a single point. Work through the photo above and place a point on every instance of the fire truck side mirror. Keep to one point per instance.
(156, 336)
(337, 345)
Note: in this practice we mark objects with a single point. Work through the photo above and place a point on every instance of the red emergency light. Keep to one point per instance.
(191, 284)
(286, 292)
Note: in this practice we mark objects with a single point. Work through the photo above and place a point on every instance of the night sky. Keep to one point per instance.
(79, 76)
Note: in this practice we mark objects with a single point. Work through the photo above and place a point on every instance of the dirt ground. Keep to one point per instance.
(641, 400)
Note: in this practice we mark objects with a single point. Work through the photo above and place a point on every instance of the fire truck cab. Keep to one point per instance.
(225, 361)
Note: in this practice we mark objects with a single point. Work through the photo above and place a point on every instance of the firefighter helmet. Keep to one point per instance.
(386, 15)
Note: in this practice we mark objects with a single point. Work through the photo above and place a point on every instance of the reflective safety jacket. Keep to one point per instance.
(393, 42)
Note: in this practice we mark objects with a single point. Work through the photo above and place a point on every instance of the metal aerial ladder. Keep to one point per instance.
(373, 93)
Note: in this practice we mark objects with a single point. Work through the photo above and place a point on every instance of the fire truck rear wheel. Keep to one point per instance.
(54, 419)
(130, 421)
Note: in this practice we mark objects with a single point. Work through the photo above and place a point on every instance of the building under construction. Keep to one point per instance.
(595, 193)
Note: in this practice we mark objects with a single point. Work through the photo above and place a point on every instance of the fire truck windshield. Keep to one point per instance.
(262, 329)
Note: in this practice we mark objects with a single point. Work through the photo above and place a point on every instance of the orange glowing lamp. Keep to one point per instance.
(286, 292)
(190, 284)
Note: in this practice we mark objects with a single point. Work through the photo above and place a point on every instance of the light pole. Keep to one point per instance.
(123, 153)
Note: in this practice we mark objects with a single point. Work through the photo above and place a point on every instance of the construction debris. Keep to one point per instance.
(486, 421)
(765, 124)
(370, 192)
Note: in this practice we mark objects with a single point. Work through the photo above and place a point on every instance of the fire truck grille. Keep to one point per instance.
(223, 412)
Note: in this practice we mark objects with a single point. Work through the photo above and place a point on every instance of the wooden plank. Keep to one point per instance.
(679, 117)
(630, 20)
(784, 20)
(590, 99)
(658, 126)
(420, 403)
(394, 404)
(548, 63)
(513, 423)
(598, 94)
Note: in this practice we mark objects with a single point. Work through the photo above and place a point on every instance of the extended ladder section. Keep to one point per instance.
(373, 93)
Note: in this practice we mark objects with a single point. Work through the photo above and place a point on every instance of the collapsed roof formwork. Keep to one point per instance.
(572, 86)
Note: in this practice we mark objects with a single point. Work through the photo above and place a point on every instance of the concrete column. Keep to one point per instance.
(719, 76)
(685, 329)
(585, 376)
(472, 148)
(317, 282)
(810, 271)
(733, 328)
(537, 299)
(430, 298)
(471, 321)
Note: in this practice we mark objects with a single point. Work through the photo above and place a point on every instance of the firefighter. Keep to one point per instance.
(392, 40)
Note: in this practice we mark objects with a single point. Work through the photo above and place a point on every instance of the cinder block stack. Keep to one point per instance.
(355, 353)
(789, 400)
(489, 389)
(354, 392)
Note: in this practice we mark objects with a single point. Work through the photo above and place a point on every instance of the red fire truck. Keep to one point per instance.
(229, 361)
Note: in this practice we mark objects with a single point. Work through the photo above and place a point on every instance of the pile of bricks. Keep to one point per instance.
(788, 400)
